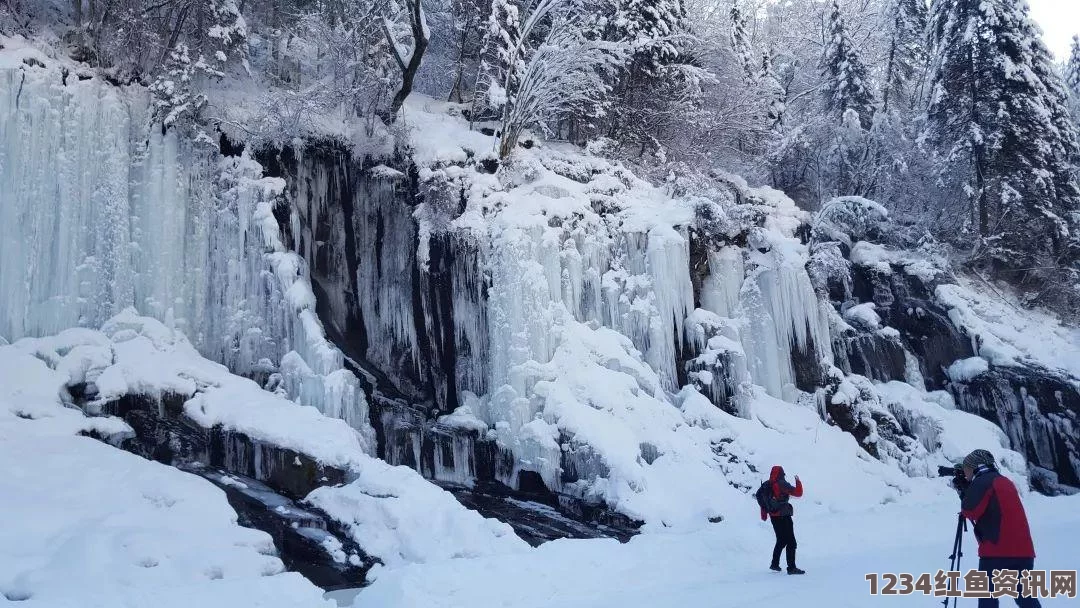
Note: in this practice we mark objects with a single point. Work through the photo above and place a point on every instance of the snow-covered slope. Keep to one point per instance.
(393, 513)
(90, 525)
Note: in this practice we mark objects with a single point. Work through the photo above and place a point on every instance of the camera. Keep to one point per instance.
(956, 471)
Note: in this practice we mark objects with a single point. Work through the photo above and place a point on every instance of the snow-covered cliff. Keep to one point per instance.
(554, 324)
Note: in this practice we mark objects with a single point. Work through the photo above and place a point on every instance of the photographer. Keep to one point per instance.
(992, 503)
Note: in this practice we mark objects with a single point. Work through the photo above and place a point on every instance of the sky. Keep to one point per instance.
(1059, 20)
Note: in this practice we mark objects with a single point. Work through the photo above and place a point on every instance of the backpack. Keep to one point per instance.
(765, 498)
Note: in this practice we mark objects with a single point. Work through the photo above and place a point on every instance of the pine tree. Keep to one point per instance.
(846, 84)
(906, 53)
(740, 43)
(656, 89)
(655, 27)
(773, 92)
(1072, 78)
(997, 110)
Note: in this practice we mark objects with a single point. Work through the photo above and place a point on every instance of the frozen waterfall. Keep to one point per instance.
(100, 211)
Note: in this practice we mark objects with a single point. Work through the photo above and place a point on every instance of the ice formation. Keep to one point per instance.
(101, 212)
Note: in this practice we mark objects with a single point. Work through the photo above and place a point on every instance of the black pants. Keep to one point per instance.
(989, 564)
(785, 539)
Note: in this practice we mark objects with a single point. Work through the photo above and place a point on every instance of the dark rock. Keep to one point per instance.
(1038, 410)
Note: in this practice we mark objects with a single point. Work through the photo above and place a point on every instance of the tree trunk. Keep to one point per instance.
(420, 42)
(455, 91)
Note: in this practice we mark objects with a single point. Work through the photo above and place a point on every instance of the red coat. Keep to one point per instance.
(1001, 526)
(781, 490)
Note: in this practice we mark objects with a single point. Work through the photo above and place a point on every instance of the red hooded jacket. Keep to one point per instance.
(781, 491)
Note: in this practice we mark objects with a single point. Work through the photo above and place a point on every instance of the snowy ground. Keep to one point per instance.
(727, 564)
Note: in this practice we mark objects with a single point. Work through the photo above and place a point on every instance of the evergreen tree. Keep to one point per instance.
(655, 28)
(1072, 78)
(657, 87)
(997, 111)
(740, 43)
(500, 59)
(906, 53)
(1072, 68)
(773, 94)
(846, 84)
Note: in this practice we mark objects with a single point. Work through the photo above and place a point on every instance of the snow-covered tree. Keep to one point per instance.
(740, 43)
(542, 65)
(500, 59)
(219, 32)
(1072, 77)
(565, 73)
(996, 110)
(656, 29)
(846, 79)
(906, 52)
(773, 94)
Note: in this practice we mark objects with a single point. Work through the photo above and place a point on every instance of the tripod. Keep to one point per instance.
(957, 552)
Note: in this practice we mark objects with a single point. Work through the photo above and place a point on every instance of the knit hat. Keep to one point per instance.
(979, 457)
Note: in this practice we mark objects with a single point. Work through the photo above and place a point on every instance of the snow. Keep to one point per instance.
(402, 518)
(967, 369)
(1005, 335)
(864, 316)
(99, 527)
(414, 519)
(881, 259)
(726, 563)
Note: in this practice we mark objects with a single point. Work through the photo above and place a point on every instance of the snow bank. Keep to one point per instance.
(864, 316)
(394, 513)
(1005, 335)
(882, 259)
(139, 530)
(963, 370)
(401, 518)
(93, 526)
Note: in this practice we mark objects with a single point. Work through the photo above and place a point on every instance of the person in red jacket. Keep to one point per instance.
(992, 503)
(782, 523)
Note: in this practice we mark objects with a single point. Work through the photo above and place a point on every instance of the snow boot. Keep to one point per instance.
(795, 571)
(775, 567)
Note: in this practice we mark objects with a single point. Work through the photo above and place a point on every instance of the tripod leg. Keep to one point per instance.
(961, 525)
(954, 559)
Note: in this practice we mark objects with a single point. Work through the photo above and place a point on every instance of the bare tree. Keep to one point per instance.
(420, 37)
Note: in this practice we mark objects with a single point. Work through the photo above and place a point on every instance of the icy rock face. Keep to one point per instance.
(102, 212)
(1010, 368)
(540, 319)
